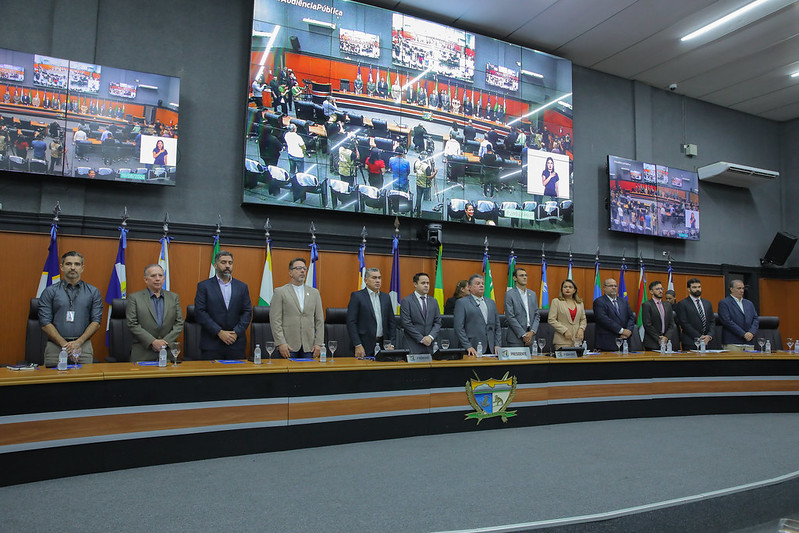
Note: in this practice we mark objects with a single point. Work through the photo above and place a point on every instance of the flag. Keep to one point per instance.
(362, 266)
(51, 273)
(622, 285)
(394, 287)
(670, 286)
(438, 289)
(310, 280)
(543, 294)
(489, 283)
(571, 268)
(641, 299)
(163, 259)
(213, 255)
(118, 284)
(511, 268)
(267, 285)
(597, 282)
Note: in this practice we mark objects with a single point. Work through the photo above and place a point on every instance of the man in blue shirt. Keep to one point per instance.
(400, 169)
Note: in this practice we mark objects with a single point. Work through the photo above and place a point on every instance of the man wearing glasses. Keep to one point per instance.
(296, 315)
(738, 318)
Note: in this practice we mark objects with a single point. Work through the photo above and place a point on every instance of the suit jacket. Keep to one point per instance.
(471, 328)
(141, 322)
(417, 326)
(213, 316)
(361, 321)
(561, 321)
(691, 324)
(735, 323)
(516, 315)
(609, 322)
(299, 329)
(653, 324)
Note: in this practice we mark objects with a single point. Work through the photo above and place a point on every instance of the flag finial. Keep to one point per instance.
(542, 251)
(219, 224)
(267, 228)
(313, 232)
(166, 223)
(56, 211)
(396, 225)
(511, 247)
(125, 217)
(485, 243)
(364, 234)
(596, 257)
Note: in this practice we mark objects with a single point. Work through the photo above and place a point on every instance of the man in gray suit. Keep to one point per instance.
(154, 317)
(420, 316)
(521, 311)
(476, 319)
(296, 315)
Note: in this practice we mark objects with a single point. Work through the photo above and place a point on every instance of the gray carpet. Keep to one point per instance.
(422, 484)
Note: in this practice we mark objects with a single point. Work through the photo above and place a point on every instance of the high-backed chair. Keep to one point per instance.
(35, 339)
(590, 329)
(82, 172)
(456, 208)
(505, 208)
(545, 331)
(39, 166)
(342, 192)
(278, 179)
(336, 329)
(253, 173)
(399, 202)
(373, 197)
(769, 329)
(120, 339)
(191, 335)
(303, 183)
(486, 210)
(105, 173)
(19, 164)
(548, 210)
(260, 329)
(305, 110)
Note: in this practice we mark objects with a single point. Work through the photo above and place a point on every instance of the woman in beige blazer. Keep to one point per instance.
(567, 316)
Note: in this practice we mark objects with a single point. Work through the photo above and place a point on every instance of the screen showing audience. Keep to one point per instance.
(653, 199)
(362, 109)
(86, 121)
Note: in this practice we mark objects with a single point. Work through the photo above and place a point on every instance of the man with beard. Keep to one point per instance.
(296, 315)
(70, 312)
(222, 307)
(695, 316)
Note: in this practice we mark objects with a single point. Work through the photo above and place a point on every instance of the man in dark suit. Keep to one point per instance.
(521, 311)
(223, 309)
(420, 316)
(154, 317)
(658, 318)
(469, 133)
(370, 316)
(613, 318)
(738, 317)
(476, 319)
(695, 316)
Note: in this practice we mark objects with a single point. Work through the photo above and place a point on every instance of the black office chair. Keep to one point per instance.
(82, 172)
(456, 208)
(486, 210)
(344, 85)
(157, 174)
(567, 209)
(769, 329)
(380, 128)
(400, 202)
(35, 339)
(106, 173)
(38, 166)
(343, 193)
(305, 110)
(505, 209)
(373, 197)
(548, 210)
(18, 163)
(82, 149)
(120, 339)
(303, 183)
(355, 120)
(278, 179)
(456, 167)
(253, 173)
(336, 329)
(191, 335)
(260, 329)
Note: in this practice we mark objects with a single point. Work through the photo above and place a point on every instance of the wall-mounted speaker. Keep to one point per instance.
(781, 247)
(295, 43)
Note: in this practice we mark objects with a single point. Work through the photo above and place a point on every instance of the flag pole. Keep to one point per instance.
(362, 260)
(395, 290)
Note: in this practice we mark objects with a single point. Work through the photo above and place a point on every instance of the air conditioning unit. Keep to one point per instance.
(736, 175)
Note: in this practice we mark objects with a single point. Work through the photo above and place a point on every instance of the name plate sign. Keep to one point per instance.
(420, 358)
(566, 354)
(514, 354)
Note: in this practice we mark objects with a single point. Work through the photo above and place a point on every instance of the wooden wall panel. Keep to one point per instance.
(778, 297)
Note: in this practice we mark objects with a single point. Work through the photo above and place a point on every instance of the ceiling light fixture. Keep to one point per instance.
(533, 74)
(795, 74)
(723, 20)
(320, 23)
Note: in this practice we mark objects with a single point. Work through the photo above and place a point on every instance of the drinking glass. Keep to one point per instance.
(174, 348)
(332, 345)
(789, 342)
(75, 356)
(541, 344)
(619, 342)
(270, 347)
(445, 343)
(762, 342)
(697, 342)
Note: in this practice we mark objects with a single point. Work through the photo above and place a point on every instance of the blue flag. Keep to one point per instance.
(622, 285)
(51, 273)
(670, 285)
(597, 283)
(362, 266)
(311, 279)
(118, 284)
(163, 259)
(543, 295)
(394, 287)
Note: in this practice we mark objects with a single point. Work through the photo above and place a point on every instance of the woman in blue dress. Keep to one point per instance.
(159, 153)
(550, 179)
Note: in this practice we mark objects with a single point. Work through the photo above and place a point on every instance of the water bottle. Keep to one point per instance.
(479, 349)
(702, 346)
(62, 359)
(662, 347)
(162, 356)
(585, 347)
(669, 347)
(625, 348)
(256, 354)
(534, 348)
(323, 354)
(768, 346)
(435, 347)
(377, 347)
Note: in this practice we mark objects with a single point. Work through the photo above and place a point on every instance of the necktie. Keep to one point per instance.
(662, 316)
(424, 306)
(483, 308)
(616, 305)
(699, 308)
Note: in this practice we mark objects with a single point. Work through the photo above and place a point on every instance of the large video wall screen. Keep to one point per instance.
(361, 109)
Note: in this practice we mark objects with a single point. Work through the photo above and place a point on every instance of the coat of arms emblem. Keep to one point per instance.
(491, 397)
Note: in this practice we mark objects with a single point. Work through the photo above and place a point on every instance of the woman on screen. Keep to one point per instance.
(159, 153)
(468, 214)
(550, 179)
(567, 316)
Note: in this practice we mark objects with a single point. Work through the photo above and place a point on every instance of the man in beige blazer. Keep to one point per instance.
(154, 317)
(296, 315)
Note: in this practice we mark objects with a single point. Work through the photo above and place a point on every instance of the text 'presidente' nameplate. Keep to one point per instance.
(565, 354)
(420, 358)
(514, 354)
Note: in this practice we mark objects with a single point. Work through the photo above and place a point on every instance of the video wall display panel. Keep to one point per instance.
(86, 121)
(437, 123)
(652, 199)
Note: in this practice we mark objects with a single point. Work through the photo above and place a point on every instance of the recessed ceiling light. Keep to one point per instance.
(723, 20)
(795, 74)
